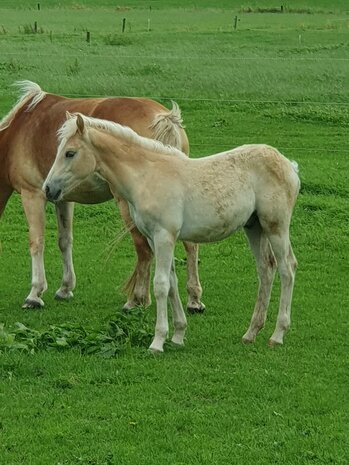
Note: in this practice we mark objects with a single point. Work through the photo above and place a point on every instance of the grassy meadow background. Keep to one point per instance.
(280, 79)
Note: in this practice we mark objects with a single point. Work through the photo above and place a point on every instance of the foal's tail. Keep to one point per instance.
(168, 129)
(296, 170)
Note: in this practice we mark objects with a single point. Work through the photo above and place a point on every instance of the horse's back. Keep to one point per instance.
(31, 138)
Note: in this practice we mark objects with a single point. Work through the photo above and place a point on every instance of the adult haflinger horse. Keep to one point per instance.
(173, 197)
(28, 145)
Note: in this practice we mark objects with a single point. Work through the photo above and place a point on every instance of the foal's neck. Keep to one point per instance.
(123, 164)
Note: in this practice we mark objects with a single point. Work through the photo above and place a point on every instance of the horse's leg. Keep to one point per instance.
(179, 318)
(64, 213)
(194, 288)
(163, 245)
(5, 194)
(138, 285)
(266, 266)
(287, 265)
(34, 207)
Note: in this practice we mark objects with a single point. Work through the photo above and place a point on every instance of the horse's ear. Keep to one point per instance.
(68, 115)
(80, 124)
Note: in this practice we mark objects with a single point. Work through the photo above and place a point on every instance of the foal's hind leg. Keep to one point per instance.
(138, 285)
(194, 288)
(266, 266)
(64, 213)
(287, 265)
(34, 207)
(179, 318)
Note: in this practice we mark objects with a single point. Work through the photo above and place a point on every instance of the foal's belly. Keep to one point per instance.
(212, 225)
(92, 190)
(207, 232)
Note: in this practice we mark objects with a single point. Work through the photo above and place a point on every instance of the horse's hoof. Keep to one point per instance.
(246, 340)
(127, 307)
(33, 304)
(193, 310)
(64, 295)
(130, 305)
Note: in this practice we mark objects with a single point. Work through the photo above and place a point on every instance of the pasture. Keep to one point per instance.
(279, 78)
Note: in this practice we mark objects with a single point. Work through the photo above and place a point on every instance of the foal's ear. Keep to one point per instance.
(80, 124)
(68, 115)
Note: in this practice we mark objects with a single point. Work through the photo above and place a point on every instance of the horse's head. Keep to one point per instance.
(75, 159)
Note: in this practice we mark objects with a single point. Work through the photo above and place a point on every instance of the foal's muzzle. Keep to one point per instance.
(52, 194)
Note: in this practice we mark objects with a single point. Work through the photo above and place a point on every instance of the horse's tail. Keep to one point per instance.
(28, 91)
(130, 285)
(168, 129)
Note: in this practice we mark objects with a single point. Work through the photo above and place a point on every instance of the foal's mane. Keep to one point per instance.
(28, 90)
(68, 129)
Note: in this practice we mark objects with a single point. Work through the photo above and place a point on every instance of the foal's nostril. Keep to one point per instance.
(57, 194)
(52, 195)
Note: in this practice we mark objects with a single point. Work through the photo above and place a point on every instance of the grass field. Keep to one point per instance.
(280, 79)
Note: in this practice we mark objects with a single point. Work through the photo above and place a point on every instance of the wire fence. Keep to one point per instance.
(177, 57)
(220, 100)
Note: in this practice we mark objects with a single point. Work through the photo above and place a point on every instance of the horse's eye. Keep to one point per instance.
(70, 154)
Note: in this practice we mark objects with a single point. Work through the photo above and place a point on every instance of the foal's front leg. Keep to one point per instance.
(163, 244)
(34, 207)
(64, 213)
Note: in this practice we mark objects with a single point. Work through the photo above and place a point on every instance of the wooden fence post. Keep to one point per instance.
(235, 23)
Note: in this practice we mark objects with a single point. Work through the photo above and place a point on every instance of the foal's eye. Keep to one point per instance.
(70, 154)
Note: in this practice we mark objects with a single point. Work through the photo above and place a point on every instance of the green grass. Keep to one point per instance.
(279, 79)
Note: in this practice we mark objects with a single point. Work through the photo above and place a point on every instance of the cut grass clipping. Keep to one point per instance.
(121, 332)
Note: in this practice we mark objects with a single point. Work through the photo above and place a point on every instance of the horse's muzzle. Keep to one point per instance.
(52, 194)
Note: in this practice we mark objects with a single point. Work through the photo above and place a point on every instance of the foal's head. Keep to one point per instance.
(75, 159)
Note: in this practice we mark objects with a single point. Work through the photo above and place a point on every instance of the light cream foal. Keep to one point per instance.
(201, 200)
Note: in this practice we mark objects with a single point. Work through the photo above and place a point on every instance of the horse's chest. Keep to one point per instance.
(143, 223)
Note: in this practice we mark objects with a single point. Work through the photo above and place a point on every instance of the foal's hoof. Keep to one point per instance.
(246, 340)
(33, 304)
(154, 351)
(63, 295)
(200, 308)
(273, 343)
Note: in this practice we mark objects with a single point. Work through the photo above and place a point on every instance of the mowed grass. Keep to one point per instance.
(279, 79)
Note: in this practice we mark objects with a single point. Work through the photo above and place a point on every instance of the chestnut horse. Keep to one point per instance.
(201, 200)
(28, 144)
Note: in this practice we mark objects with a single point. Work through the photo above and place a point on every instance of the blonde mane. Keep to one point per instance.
(28, 90)
(68, 129)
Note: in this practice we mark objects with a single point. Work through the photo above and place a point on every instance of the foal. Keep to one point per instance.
(202, 200)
